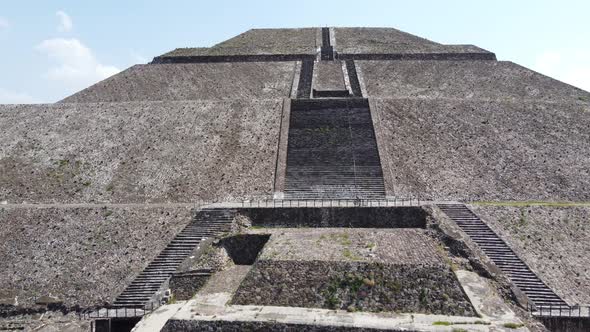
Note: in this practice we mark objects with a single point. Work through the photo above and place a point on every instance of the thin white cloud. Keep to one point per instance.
(4, 23)
(65, 21)
(14, 97)
(569, 66)
(138, 58)
(77, 67)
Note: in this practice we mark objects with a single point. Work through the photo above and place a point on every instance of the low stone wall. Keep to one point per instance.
(431, 289)
(449, 56)
(567, 324)
(397, 217)
(237, 326)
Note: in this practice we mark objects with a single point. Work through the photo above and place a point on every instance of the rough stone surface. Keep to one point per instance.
(260, 41)
(213, 257)
(185, 285)
(552, 241)
(374, 217)
(476, 80)
(187, 51)
(49, 321)
(239, 326)
(81, 256)
(328, 76)
(484, 150)
(354, 286)
(391, 41)
(138, 152)
(192, 81)
(395, 246)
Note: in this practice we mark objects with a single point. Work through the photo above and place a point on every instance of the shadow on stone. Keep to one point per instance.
(244, 249)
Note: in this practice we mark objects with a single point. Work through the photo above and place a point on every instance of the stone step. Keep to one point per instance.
(497, 250)
(210, 223)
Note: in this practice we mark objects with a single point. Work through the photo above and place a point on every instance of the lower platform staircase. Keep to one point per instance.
(207, 223)
(501, 254)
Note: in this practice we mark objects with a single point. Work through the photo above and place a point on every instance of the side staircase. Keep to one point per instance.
(207, 223)
(501, 254)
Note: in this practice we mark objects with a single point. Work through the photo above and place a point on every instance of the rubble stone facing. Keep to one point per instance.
(552, 241)
(484, 150)
(185, 285)
(261, 41)
(354, 286)
(138, 152)
(192, 81)
(400, 217)
(81, 256)
(391, 41)
(239, 326)
(471, 80)
(391, 246)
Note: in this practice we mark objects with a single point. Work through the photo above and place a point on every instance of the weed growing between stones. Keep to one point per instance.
(349, 255)
(355, 286)
(446, 323)
(513, 325)
(522, 220)
(442, 323)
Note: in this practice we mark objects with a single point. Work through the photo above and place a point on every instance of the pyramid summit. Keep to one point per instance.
(286, 177)
(350, 42)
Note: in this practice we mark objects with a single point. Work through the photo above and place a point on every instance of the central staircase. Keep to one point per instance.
(332, 151)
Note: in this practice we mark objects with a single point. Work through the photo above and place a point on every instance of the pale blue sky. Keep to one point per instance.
(50, 49)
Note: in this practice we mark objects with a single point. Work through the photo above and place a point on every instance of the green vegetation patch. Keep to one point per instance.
(446, 323)
(513, 325)
(442, 323)
(354, 285)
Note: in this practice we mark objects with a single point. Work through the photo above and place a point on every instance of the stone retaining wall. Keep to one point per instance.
(398, 217)
(186, 284)
(239, 326)
(354, 286)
